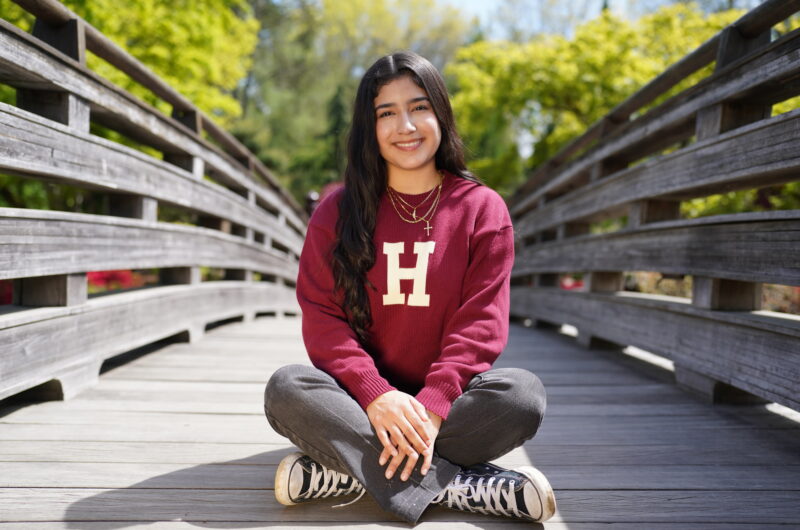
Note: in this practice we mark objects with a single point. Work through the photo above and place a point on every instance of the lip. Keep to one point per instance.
(409, 145)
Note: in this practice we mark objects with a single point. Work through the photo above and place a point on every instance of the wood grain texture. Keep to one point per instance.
(762, 73)
(755, 155)
(35, 146)
(40, 345)
(141, 448)
(26, 63)
(752, 351)
(748, 247)
(34, 244)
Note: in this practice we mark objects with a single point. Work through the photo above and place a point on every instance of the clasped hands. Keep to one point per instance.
(406, 430)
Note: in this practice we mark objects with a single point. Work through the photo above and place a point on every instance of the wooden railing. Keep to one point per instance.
(247, 225)
(716, 136)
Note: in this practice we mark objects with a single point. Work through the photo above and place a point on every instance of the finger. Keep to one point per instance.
(383, 437)
(421, 424)
(394, 464)
(385, 455)
(414, 437)
(426, 463)
(411, 461)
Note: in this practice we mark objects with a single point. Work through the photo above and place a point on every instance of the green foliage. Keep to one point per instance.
(542, 93)
(202, 48)
(297, 98)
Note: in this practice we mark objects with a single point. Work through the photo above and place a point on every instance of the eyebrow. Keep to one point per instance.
(421, 98)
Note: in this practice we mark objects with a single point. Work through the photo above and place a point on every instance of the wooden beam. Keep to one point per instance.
(749, 247)
(147, 245)
(134, 206)
(759, 154)
(754, 352)
(62, 107)
(58, 290)
(726, 295)
(652, 211)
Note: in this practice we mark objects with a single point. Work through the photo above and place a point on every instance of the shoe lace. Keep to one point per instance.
(327, 482)
(486, 496)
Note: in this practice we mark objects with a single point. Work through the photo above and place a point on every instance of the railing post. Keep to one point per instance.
(721, 295)
(652, 211)
(725, 116)
(62, 107)
(58, 290)
(193, 121)
(599, 282)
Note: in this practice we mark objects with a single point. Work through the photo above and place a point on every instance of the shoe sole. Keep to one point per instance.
(282, 479)
(544, 490)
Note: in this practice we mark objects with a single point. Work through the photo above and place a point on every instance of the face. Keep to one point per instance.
(406, 127)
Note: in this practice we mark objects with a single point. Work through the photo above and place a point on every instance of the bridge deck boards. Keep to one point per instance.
(176, 439)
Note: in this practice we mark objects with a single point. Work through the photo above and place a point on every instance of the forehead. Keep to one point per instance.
(399, 91)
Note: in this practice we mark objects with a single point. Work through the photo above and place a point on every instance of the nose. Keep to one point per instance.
(406, 123)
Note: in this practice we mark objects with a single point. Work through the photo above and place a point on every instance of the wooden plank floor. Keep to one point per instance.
(176, 439)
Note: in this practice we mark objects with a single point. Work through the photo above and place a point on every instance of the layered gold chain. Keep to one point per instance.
(401, 206)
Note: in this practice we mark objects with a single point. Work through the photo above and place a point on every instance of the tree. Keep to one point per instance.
(517, 104)
(297, 98)
(202, 48)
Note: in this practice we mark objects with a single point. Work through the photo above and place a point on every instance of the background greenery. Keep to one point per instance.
(281, 75)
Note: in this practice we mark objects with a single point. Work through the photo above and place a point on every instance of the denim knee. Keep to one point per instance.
(283, 386)
(524, 394)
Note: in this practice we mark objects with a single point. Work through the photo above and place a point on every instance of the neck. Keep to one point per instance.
(414, 182)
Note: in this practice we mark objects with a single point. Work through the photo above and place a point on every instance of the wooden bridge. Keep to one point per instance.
(171, 434)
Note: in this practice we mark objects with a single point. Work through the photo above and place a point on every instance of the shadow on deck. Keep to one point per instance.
(177, 439)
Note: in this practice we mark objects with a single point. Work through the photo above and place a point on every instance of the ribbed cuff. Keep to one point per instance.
(365, 387)
(438, 399)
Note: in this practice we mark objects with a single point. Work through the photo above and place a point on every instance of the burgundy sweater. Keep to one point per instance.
(439, 307)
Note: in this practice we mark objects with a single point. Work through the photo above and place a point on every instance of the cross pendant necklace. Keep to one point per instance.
(428, 228)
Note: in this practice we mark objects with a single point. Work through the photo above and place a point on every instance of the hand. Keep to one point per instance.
(403, 428)
(435, 425)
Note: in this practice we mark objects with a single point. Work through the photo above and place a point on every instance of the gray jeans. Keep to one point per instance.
(498, 411)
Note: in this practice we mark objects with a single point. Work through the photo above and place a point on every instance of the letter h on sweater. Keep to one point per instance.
(394, 273)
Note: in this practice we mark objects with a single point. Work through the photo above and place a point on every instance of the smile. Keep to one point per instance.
(409, 146)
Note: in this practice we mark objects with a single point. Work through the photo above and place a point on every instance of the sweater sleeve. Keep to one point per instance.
(331, 344)
(478, 331)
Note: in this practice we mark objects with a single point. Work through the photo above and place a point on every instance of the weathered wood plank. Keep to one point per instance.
(485, 524)
(244, 475)
(768, 68)
(541, 454)
(113, 107)
(761, 351)
(34, 243)
(35, 504)
(35, 146)
(40, 345)
(759, 154)
(748, 247)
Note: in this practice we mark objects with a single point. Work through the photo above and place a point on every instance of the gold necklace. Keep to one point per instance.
(406, 205)
(395, 199)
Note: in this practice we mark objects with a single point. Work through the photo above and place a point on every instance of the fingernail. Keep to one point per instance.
(424, 472)
(404, 477)
(388, 475)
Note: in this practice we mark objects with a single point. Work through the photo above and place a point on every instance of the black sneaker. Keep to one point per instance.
(524, 492)
(300, 478)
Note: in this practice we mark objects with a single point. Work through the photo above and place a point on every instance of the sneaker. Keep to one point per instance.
(524, 492)
(300, 478)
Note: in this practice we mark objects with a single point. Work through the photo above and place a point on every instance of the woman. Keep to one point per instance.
(404, 287)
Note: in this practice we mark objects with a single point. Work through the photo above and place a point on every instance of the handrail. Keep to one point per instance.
(56, 14)
(752, 23)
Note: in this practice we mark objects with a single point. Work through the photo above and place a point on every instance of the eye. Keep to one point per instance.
(421, 106)
(385, 113)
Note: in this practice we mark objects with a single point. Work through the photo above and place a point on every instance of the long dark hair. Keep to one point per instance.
(365, 176)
